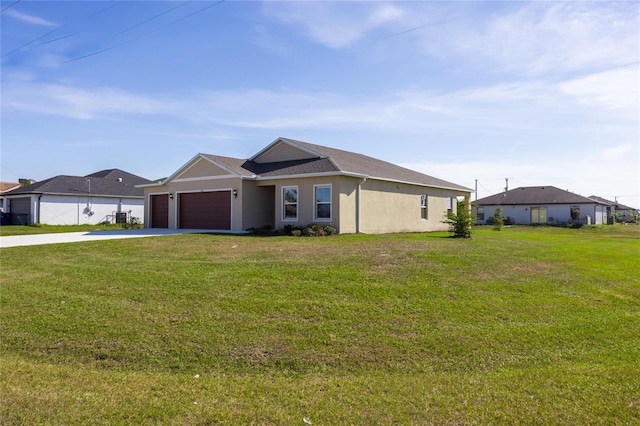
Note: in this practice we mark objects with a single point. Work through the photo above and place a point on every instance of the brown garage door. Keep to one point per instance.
(160, 211)
(205, 210)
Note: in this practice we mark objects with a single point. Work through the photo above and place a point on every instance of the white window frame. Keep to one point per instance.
(315, 203)
(285, 204)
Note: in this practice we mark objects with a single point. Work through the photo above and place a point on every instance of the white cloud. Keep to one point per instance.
(503, 107)
(79, 103)
(30, 19)
(334, 24)
(620, 151)
(617, 89)
(541, 37)
(528, 37)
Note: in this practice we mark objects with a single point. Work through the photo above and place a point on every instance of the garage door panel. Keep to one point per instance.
(205, 210)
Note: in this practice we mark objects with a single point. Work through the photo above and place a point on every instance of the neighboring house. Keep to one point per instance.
(297, 183)
(534, 205)
(109, 196)
(6, 187)
(616, 210)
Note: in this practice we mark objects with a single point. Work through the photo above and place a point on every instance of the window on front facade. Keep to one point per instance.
(424, 214)
(538, 215)
(449, 205)
(290, 203)
(322, 202)
(480, 213)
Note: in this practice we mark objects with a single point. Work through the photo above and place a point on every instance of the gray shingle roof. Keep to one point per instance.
(351, 162)
(332, 160)
(611, 203)
(535, 195)
(112, 182)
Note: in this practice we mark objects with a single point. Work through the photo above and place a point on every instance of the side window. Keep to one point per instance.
(290, 203)
(575, 212)
(322, 208)
(424, 213)
(480, 213)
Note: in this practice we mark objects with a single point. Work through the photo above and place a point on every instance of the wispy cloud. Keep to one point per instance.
(529, 37)
(334, 24)
(29, 19)
(79, 103)
(510, 106)
(540, 37)
(617, 89)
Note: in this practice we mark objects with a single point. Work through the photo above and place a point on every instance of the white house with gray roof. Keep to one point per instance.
(541, 205)
(106, 196)
(296, 183)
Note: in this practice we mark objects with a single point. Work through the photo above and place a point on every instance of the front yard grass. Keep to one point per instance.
(524, 326)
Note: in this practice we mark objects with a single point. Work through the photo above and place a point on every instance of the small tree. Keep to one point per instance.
(498, 219)
(461, 221)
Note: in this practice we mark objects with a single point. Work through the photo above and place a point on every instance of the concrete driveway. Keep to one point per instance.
(74, 237)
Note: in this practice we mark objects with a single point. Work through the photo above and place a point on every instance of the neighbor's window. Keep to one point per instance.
(480, 213)
(290, 203)
(423, 207)
(323, 202)
(575, 212)
(449, 205)
(538, 215)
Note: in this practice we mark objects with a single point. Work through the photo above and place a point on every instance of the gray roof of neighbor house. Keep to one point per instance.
(612, 203)
(331, 160)
(527, 195)
(111, 182)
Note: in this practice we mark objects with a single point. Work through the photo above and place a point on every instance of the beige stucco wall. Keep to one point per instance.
(258, 205)
(388, 207)
(306, 203)
(349, 204)
(202, 168)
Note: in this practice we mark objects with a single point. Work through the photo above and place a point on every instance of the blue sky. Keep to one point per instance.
(541, 93)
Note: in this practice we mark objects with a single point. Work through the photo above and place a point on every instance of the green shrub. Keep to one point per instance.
(330, 230)
(311, 230)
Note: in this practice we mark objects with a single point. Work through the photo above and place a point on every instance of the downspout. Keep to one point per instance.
(38, 215)
(358, 206)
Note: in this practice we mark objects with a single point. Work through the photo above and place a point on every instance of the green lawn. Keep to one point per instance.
(524, 326)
